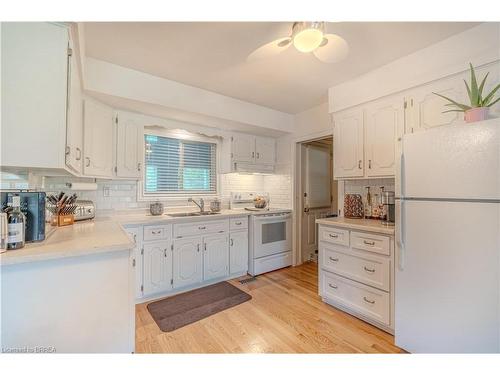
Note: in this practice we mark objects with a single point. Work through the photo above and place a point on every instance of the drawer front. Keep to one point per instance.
(238, 223)
(334, 235)
(200, 228)
(365, 300)
(370, 242)
(157, 232)
(357, 265)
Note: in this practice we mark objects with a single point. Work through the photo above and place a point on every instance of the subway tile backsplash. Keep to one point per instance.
(359, 186)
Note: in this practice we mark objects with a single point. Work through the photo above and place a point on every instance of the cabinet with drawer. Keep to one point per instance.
(238, 223)
(157, 232)
(200, 228)
(356, 273)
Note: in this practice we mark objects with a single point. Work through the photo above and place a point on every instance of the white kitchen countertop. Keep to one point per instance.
(100, 235)
(359, 224)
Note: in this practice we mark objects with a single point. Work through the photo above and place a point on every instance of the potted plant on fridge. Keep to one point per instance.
(479, 103)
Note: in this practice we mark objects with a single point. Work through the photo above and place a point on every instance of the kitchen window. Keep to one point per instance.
(179, 167)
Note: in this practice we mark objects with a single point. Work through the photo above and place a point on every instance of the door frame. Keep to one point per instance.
(296, 189)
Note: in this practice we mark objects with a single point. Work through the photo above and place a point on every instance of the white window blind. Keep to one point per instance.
(176, 166)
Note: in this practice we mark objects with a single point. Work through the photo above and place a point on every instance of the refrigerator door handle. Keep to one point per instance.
(400, 232)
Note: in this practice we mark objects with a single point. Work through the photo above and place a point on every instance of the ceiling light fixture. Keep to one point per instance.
(307, 36)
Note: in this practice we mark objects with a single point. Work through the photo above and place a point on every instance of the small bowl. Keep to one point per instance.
(156, 209)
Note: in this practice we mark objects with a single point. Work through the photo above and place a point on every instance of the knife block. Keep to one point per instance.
(63, 220)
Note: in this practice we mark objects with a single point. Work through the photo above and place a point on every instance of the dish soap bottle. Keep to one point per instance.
(16, 225)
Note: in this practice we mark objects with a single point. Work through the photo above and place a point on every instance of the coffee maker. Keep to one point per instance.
(389, 207)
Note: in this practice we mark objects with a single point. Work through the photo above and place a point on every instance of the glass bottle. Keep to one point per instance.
(16, 225)
(368, 204)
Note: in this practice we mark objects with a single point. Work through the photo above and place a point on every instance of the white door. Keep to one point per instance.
(137, 260)
(238, 252)
(243, 148)
(265, 149)
(98, 139)
(348, 144)
(317, 198)
(74, 126)
(384, 123)
(188, 262)
(157, 267)
(129, 147)
(215, 256)
(428, 108)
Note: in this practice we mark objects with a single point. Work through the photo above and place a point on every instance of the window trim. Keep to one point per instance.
(182, 135)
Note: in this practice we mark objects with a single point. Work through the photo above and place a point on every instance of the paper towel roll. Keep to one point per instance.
(82, 185)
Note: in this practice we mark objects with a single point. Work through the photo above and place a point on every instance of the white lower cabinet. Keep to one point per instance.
(238, 252)
(137, 259)
(157, 267)
(188, 262)
(215, 256)
(356, 273)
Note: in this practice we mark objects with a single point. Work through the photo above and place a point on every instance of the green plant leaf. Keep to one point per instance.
(489, 105)
(481, 86)
(489, 97)
(461, 106)
(453, 110)
(473, 88)
(468, 90)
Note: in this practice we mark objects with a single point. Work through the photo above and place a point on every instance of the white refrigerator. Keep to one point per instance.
(448, 240)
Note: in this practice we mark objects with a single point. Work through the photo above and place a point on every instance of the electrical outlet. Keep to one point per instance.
(105, 191)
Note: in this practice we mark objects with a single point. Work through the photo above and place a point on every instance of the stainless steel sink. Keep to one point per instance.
(187, 214)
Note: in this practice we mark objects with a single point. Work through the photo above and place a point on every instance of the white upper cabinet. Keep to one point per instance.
(157, 267)
(243, 148)
(98, 139)
(129, 147)
(187, 262)
(424, 109)
(33, 94)
(74, 129)
(215, 256)
(384, 124)
(238, 252)
(348, 156)
(265, 150)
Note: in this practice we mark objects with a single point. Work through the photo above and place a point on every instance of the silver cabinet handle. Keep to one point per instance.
(201, 228)
(258, 155)
(371, 243)
(232, 242)
(334, 259)
(79, 157)
(165, 253)
(156, 231)
(333, 235)
(369, 301)
(198, 247)
(67, 150)
(359, 164)
(205, 246)
(253, 155)
(139, 167)
(369, 164)
(237, 223)
(371, 270)
(332, 286)
(88, 161)
(133, 262)
(135, 238)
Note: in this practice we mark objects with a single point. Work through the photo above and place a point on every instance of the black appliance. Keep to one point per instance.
(33, 207)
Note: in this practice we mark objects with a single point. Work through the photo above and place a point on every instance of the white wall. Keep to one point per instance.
(117, 81)
(312, 121)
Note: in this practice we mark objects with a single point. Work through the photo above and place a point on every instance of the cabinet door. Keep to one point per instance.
(98, 139)
(384, 123)
(428, 108)
(188, 262)
(157, 267)
(265, 150)
(215, 256)
(238, 252)
(134, 234)
(243, 148)
(74, 128)
(33, 94)
(129, 147)
(348, 144)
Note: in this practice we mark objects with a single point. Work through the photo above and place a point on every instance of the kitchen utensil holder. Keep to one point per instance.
(62, 220)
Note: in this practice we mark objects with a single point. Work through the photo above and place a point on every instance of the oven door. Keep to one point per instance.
(272, 234)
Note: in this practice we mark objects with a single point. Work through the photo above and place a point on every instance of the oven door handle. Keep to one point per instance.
(273, 217)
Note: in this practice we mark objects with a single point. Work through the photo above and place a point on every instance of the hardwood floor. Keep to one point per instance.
(285, 315)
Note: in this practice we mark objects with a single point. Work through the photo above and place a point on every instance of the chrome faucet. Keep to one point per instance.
(201, 205)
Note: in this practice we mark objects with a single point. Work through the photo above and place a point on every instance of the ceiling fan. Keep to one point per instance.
(306, 37)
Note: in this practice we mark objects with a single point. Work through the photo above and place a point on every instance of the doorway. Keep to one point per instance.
(318, 192)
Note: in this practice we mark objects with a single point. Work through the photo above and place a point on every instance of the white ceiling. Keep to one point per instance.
(212, 55)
